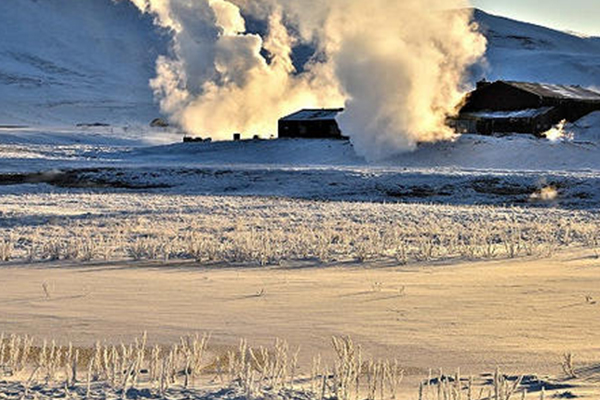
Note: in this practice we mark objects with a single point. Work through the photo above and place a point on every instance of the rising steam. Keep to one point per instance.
(398, 66)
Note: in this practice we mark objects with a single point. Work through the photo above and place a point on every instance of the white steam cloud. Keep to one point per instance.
(397, 66)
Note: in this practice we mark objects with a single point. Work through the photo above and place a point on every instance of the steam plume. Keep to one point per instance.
(398, 66)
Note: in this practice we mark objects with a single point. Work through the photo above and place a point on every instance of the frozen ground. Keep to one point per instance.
(18, 391)
(187, 227)
(398, 278)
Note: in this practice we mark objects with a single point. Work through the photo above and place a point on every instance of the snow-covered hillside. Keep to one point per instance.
(525, 52)
(64, 62)
(76, 61)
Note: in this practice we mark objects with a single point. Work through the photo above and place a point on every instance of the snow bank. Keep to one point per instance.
(587, 128)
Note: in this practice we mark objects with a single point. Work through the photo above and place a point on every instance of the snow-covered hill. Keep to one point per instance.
(76, 61)
(525, 52)
(64, 62)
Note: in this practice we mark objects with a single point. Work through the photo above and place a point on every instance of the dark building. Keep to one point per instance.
(311, 124)
(521, 107)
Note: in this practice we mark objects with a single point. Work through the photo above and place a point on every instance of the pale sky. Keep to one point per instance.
(576, 15)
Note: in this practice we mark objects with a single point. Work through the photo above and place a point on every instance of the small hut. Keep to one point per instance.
(311, 124)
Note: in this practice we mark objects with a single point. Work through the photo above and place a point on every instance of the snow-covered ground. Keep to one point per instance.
(398, 278)
(525, 52)
(136, 145)
(470, 170)
(220, 230)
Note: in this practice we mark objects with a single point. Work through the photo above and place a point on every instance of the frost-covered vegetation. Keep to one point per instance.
(268, 231)
(30, 369)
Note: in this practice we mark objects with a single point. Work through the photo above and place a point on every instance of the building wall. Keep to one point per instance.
(321, 129)
(572, 111)
(535, 126)
(488, 126)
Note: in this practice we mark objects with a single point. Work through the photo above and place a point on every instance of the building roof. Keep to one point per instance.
(557, 91)
(322, 114)
(518, 114)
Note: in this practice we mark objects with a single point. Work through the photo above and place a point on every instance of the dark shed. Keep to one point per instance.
(311, 124)
(523, 107)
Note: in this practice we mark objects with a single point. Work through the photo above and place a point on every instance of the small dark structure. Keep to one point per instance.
(311, 124)
(237, 137)
(93, 125)
(191, 139)
(522, 107)
(159, 123)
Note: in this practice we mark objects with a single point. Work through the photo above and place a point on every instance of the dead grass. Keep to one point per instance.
(271, 231)
(255, 371)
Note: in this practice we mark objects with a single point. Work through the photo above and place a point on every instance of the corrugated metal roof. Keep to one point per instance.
(557, 91)
(518, 114)
(323, 114)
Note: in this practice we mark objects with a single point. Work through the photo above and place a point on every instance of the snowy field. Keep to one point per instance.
(436, 266)
(103, 248)
(484, 257)
(470, 263)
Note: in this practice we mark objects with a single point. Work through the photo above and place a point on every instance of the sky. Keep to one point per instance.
(581, 16)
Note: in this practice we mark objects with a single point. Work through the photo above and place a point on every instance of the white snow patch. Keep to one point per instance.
(526, 113)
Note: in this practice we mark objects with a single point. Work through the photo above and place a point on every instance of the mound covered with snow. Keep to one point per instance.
(575, 149)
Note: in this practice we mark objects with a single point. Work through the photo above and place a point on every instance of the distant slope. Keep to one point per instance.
(69, 61)
(527, 52)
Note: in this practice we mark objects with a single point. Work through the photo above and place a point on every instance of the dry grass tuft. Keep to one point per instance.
(255, 372)
(246, 231)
